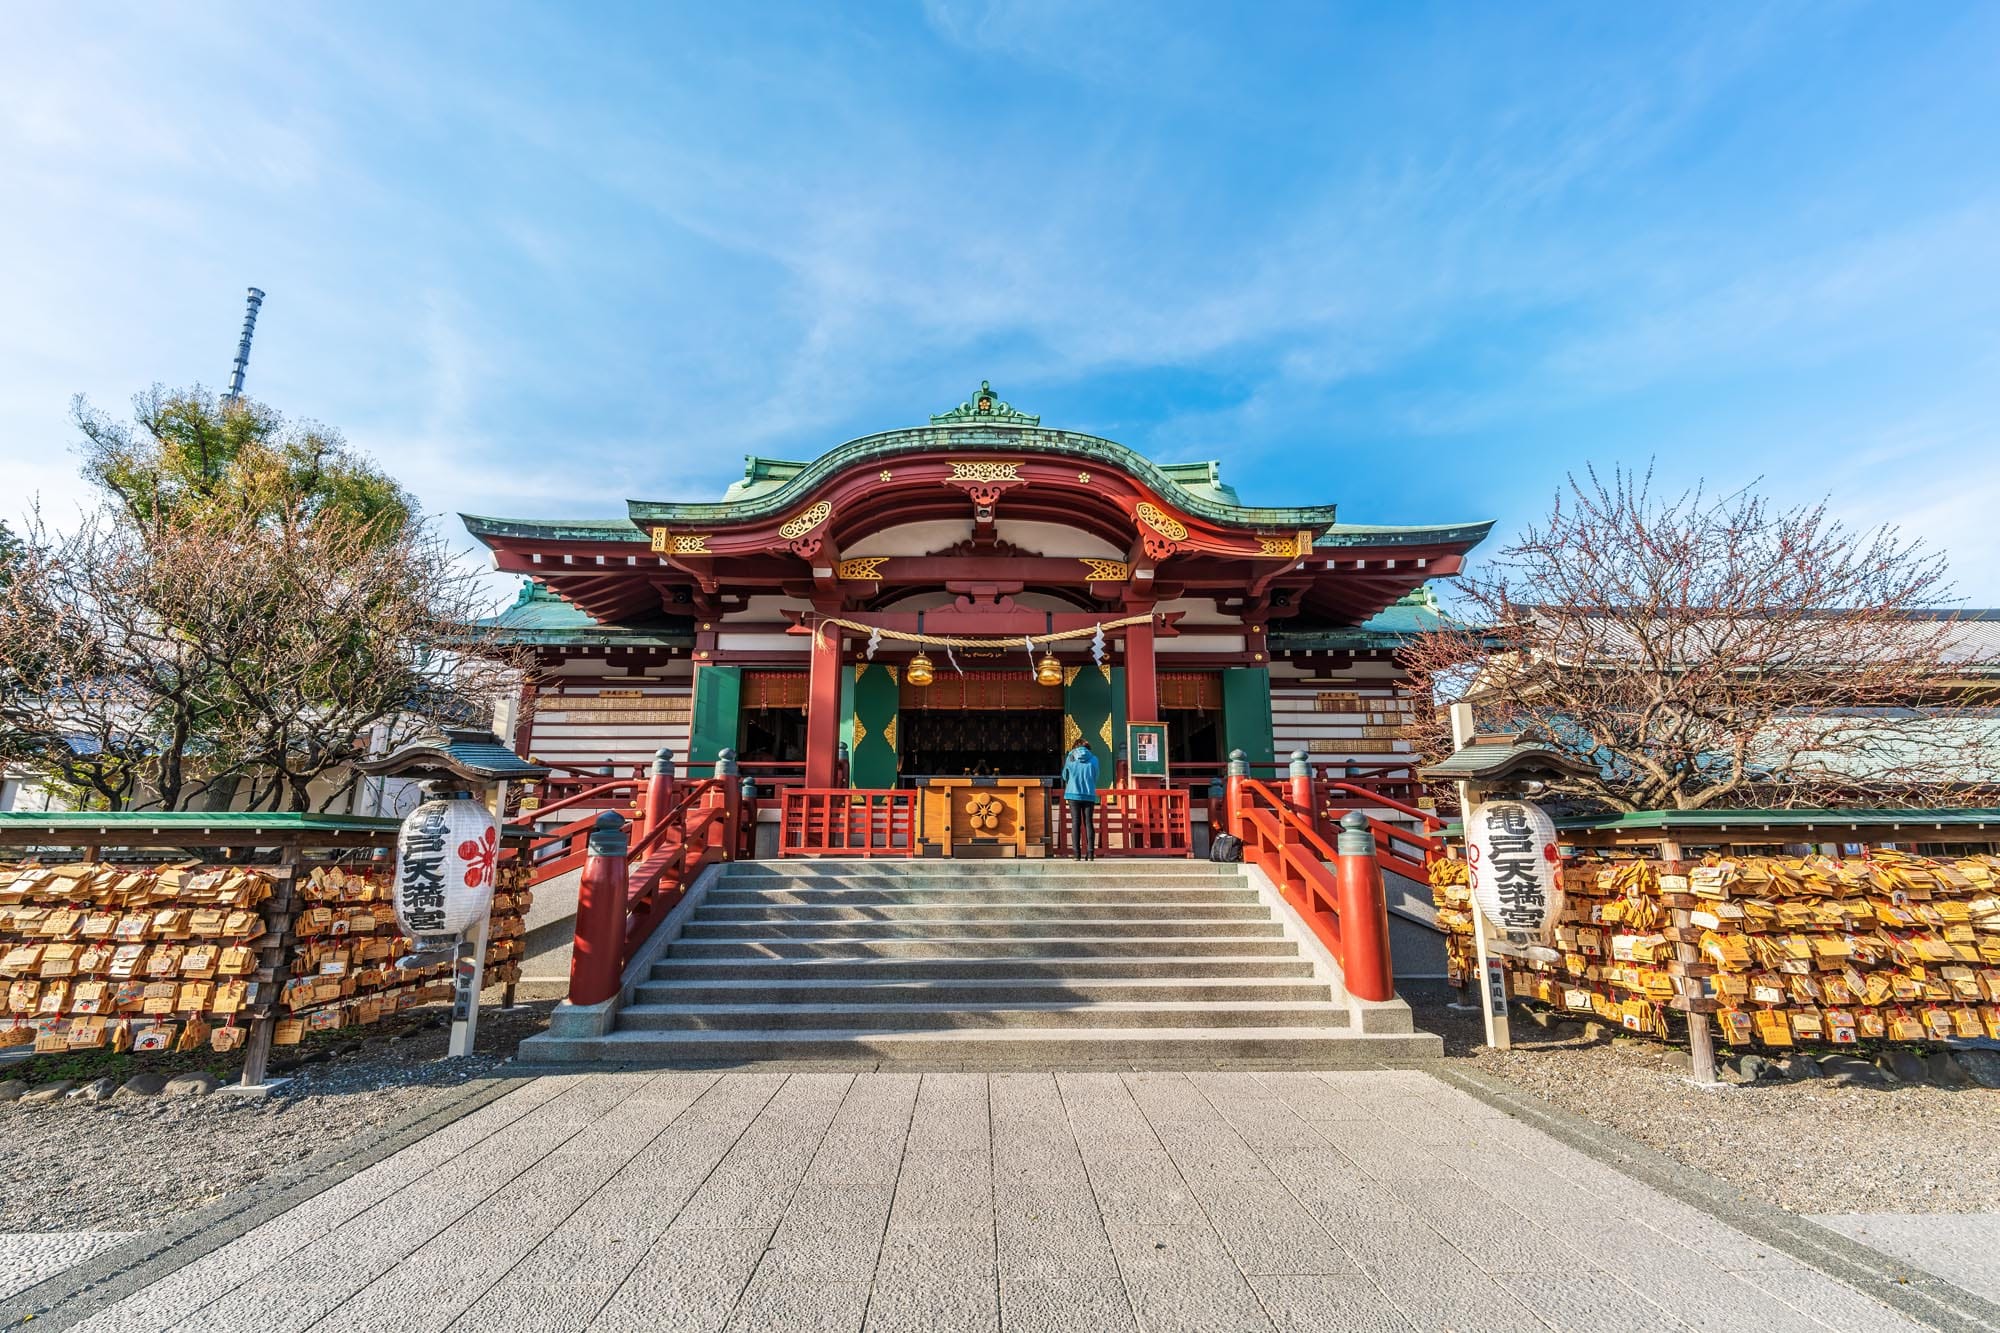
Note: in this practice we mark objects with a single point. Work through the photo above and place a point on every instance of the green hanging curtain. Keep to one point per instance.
(1246, 714)
(872, 755)
(718, 698)
(1094, 708)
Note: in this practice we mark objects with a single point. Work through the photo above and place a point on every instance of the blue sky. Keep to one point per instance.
(1417, 259)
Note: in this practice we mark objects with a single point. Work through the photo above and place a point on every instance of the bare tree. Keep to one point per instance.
(1697, 651)
(251, 602)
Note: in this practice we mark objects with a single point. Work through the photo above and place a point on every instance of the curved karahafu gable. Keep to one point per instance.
(979, 466)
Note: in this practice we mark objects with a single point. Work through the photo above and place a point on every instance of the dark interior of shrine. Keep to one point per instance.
(1194, 736)
(954, 742)
(772, 734)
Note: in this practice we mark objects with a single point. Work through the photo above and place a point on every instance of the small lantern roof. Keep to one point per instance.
(1497, 758)
(474, 755)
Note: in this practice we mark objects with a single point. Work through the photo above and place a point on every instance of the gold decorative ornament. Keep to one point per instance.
(1107, 571)
(1048, 671)
(806, 522)
(1160, 521)
(921, 672)
(859, 734)
(887, 475)
(861, 569)
(986, 471)
(1104, 734)
(1083, 477)
(889, 734)
(666, 542)
(1286, 548)
(1072, 733)
(1070, 674)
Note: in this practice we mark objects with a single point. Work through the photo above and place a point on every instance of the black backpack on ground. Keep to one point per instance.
(1225, 847)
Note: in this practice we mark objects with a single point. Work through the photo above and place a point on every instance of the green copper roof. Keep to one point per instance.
(202, 828)
(1912, 824)
(1409, 615)
(563, 529)
(771, 486)
(538, 616)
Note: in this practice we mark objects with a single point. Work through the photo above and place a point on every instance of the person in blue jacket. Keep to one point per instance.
(1079, 779)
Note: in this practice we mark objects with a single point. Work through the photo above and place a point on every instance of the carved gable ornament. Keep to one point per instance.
(985, 409)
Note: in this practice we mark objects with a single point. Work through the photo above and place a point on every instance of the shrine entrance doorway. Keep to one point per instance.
(1017, 742)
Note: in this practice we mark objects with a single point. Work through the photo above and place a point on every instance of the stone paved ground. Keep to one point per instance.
(807, 1200)
(28, 1257)
(1959, 1247)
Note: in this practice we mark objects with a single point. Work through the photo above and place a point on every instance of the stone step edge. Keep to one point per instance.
(1142, 960)
(946, 984)
(1063, 1036)
(1191, 1007)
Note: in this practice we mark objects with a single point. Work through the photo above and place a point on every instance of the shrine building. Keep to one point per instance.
(947, 608)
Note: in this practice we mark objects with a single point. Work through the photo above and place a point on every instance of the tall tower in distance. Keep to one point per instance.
(243, 347)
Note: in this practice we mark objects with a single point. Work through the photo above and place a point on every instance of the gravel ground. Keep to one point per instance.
(1806, 1147)
(128, 1164)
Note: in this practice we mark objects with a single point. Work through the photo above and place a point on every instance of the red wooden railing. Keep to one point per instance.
(1372, 784)
(561, 849)
(580, 786)
(1337, 893)
(842, 821)
(1407, 853)
(1133, 821)
(628, 888)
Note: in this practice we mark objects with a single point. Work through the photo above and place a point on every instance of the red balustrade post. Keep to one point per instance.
(597, 963)
(1364, 912)
(724, 797)
(1300, 780)
(746, 830)
(1239, 773)
(659, 791)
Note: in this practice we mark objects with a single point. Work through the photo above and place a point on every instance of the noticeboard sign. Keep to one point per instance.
(1146, 749)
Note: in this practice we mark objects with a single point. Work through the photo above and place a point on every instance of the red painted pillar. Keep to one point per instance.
(599, 957)
(823, 709)
(1364, 913)
(1142, 684)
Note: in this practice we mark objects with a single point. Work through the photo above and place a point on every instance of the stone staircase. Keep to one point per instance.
(1004, 961)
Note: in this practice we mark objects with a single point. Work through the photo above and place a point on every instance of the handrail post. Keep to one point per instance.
(746, 820)
(1300, 776)
(1364, 913)
(724, 837)
(659, 791)
(1239, 773)
(597, 961)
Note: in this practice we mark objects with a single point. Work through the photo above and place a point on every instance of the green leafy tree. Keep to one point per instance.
(188, 452)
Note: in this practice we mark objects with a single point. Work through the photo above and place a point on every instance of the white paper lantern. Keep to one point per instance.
(446, 857)
(1511, 847)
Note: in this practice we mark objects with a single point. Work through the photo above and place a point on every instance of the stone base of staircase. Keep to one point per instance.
(1048, 963)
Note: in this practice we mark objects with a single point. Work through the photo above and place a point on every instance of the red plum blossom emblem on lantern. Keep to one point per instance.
(479, 855)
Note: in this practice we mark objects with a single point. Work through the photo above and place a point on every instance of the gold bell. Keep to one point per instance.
(920, 670)
(1048, 671)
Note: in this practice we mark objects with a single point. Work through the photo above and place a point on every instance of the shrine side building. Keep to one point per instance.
(969, 598)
